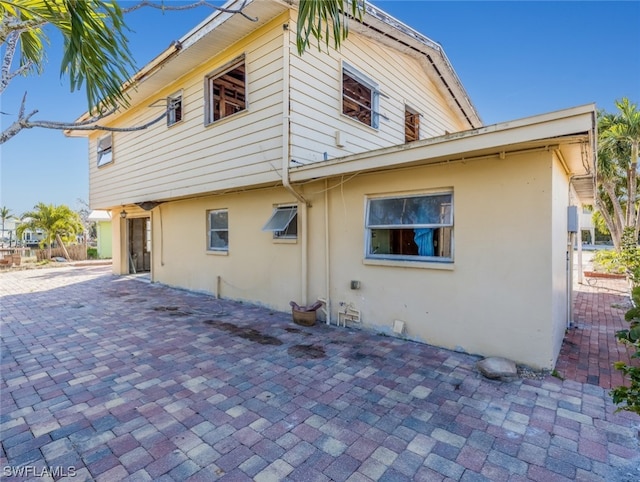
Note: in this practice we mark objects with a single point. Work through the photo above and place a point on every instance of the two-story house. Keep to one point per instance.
(362, 176)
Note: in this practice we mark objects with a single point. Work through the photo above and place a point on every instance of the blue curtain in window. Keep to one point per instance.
(423, 237)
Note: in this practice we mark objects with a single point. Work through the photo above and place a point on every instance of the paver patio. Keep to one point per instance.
(108, 378)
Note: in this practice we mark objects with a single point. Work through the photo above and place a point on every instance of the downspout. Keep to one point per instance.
(327, 266)
(286, 156)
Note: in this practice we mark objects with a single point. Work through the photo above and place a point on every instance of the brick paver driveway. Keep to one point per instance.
(107, 378)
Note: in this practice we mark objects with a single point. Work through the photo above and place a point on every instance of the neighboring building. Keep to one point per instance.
(29, 238)
(362, 176)
(8, 234)
(587, 227)
(104, 233)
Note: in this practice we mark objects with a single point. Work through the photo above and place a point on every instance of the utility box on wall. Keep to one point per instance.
(573, 223)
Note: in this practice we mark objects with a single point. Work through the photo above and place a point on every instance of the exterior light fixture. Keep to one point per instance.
(123, 214)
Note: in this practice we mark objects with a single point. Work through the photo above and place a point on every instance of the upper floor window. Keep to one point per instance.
(283, 222)
(411, 228)
(360, 97)
(218, 230)
(226, 91)
(411, 125)
(174, 109)
(105, 150)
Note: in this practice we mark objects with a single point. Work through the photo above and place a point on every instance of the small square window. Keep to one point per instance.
(226, 92)
(105, 150)
(218, 230)
(283, 222)
(360, 97)
(411, 125)
(174, 109)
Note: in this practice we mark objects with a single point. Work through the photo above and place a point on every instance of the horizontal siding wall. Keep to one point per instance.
(316, 99)
(190, 158)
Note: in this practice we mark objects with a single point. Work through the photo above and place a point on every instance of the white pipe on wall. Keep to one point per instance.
(327, 267)
(286, 155)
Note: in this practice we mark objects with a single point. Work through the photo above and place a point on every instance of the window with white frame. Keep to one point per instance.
(360, 97)
(218, 230)
(283, 222)
(174, 109)
(411, 228)
(105, 150)
(226, 91)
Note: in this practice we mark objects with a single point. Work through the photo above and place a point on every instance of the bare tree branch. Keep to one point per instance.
(10, 25)
(21, 123)
(24, 122)
(9, 52)
(200, 3)
(95, 127)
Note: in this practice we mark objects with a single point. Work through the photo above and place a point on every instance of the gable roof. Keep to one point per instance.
(222, 29)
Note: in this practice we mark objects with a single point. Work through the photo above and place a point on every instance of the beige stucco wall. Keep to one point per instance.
(256, 267)
(560, 246)
(504, 294)
(496, 298)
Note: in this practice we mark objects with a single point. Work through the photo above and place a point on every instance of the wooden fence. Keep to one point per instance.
(77, 252)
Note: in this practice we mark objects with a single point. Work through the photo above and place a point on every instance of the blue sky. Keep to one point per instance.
(515, 59)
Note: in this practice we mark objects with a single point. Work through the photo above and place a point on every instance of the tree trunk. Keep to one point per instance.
(618, 218)
(616, 232)
(631, 194)
(64, 248)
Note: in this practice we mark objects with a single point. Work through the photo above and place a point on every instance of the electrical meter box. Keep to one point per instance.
(573, 223)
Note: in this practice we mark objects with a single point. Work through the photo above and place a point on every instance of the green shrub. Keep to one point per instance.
(628, 397)
(633, 314)
(92, 253)
(608, 261)
(635, 295)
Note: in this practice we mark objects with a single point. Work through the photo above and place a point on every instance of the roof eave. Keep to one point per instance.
(555, 130)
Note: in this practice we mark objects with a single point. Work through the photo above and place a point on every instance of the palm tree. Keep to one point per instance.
(96, 52)
(5, 213)
(618, 147)
(323, 19)
(54, 221)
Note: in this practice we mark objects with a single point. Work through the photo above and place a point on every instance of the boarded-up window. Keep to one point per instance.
(411, 125)
(359, 97)
(227, 92)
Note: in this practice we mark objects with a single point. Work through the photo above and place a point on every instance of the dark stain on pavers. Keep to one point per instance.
(245, 333)
(312, 352)
(297, 331)
(172, 310)
(117, 294)
(165, 308)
